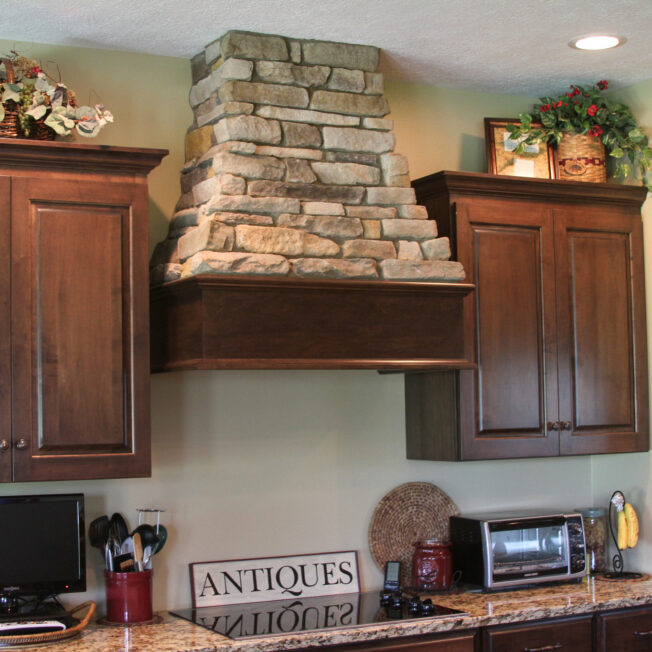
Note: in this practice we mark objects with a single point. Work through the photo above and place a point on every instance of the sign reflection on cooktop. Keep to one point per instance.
(281, 617)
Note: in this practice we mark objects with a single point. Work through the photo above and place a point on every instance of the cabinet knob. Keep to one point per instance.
(553, 425)
(566, 425)
(4, 445)
(21, 443)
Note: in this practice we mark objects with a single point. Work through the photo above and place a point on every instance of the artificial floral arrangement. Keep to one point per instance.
(26, 88)
(587, 111)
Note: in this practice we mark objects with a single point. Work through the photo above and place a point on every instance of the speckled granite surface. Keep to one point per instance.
(177, 635)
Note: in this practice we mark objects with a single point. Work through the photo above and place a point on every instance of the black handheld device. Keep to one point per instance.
(392, 576)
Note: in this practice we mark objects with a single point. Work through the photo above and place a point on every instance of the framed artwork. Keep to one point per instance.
(537, 161)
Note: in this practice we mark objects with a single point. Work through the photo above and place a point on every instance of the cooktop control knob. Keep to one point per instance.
(414, 605)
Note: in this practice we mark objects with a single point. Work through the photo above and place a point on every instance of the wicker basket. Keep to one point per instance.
(582, 158)
(10, 126)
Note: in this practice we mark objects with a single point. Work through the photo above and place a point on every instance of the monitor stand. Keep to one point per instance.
(15, 607)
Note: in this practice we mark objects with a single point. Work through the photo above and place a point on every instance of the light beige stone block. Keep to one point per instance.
(247, 204)
(305, 115)
(371, 229)
(249, 167)
(328, 226)
(262, 93)
(413, 212)
(334, 268)
(231, 262)
(341, 55)
(233, 219)
(183, 219)
(212, 235)
(225, 110)
(342, 79)
(253, 46)
(231, 69)
(409, 229)
(288, 73)
(377, 249)
(386, 196)
(381, 124)
(164, 273)
(198, 142)
(437, 249)
(289, 152)
(322, 208)
(229, 184)
(346, 173)
(357, 140)
(371, 212)
(283, 241)
(424, 270)
(248, 128)
(374, 83)
(347, 103)
(409, 250)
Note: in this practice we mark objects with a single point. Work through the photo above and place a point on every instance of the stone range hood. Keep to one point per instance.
(297, 241)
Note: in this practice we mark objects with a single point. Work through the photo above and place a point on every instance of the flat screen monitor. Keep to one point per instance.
(42, 544)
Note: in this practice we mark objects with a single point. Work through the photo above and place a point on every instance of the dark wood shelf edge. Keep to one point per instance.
(269, 364)
(549, 189)
(39, 154)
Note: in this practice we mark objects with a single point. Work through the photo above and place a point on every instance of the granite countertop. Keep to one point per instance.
(178, 635)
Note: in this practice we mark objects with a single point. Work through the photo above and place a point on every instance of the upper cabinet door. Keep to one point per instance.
(601, 331)
(79, 329)
(507, 250)
(5, 334)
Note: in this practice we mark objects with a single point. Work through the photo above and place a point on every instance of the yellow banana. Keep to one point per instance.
(623, 535)
(632, 525)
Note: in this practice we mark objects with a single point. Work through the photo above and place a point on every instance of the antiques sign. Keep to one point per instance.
(235, 581)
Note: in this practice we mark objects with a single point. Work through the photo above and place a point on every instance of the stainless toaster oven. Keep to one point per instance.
(499, 551)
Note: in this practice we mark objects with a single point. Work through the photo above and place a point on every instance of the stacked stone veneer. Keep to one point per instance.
(290, 170)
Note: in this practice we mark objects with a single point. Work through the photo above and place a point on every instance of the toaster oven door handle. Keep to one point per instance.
(556, 646)
(526, 523)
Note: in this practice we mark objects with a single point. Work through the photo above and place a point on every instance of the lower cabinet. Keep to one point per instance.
(456, 642)
(564, 634)
(622, 630)
(626, 630)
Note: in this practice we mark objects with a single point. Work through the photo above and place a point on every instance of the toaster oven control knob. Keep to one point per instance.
(577, 563)
(427, 607)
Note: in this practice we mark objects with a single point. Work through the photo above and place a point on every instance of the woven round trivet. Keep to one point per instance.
(409, 513)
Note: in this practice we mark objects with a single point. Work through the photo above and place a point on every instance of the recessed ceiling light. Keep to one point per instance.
(597, 42)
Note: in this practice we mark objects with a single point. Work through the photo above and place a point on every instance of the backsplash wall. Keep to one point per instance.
(240, 473)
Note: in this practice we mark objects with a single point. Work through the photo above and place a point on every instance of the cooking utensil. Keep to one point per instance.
(148, 536)
(120, 525)
(98, 531)
(162, 538)
(138, 551)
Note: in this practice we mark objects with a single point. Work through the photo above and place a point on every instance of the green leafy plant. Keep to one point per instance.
(38, 97)
(587, 111)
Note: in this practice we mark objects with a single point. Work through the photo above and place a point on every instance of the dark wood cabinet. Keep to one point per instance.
(452, 642)
(626, 630)
(74, 337)
(564, 634)
(556, 324)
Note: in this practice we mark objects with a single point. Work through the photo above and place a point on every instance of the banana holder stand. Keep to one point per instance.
(618, 504)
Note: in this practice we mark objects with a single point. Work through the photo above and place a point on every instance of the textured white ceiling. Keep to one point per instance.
(508, 46)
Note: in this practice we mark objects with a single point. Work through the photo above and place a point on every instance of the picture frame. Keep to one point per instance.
(539, 161)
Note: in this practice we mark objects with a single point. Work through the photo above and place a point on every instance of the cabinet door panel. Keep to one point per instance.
(506, 249)
(457, 642)
(602, 341)
(625, 631)
(5, 334)
(83, 410)
(568, 634)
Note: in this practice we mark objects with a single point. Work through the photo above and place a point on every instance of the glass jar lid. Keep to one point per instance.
(592, 512)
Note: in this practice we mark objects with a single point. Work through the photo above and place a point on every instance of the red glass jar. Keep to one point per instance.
(432, 565)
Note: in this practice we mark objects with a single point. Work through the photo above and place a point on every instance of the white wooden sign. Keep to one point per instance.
(236, 581)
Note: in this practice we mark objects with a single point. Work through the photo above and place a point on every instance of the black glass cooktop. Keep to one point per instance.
(305, 615)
